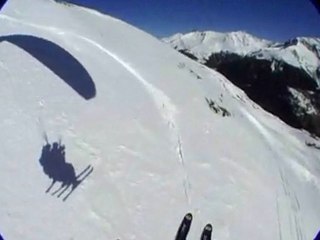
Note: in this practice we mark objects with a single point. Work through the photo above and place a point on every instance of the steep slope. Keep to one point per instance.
(283, 78)
(163, 134)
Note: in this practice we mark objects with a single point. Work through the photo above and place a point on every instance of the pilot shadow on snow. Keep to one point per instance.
(58, 60)
(54, 165)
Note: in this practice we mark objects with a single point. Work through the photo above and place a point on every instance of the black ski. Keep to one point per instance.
(206, 233)
(184, 227)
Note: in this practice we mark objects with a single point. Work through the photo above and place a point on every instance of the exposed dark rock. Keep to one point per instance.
(64, 2)
(313, 145)
(291, 42)
(217, 109)
(188, 54)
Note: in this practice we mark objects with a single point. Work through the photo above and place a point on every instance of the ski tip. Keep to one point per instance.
(208, 227)
(188, 217)
(207, 232)
(184, 227)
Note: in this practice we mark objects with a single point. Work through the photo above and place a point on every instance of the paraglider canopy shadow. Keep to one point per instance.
(58, 60)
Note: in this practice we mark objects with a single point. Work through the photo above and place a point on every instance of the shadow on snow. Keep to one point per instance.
(58, 60)
(56, 168)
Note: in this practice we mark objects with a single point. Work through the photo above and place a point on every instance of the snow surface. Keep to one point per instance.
(157, 149)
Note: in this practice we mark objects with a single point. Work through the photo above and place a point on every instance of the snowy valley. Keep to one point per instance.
(152, 133)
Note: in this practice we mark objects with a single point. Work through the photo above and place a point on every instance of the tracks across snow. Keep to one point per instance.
(288, 205)
(163, 103)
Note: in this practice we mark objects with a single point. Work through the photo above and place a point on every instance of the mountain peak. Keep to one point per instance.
(203, 44)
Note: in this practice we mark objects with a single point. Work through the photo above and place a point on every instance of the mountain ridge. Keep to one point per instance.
(203, 44)
(243, 44)
(275, 75)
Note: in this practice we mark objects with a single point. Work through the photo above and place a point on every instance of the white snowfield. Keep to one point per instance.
(301, 52)
(157, 150)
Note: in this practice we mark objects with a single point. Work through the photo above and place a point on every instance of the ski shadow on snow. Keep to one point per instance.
(58, 60)
(56, 168)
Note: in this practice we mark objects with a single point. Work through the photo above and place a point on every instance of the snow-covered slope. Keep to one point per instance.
(149, 121)
(300, 52)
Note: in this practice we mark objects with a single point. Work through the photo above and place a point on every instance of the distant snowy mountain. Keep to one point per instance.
(275, 75)
(108, 133)
(203, 44)
(300, 52)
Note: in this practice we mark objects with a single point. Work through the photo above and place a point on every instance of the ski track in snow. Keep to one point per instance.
(286, 217)
(164, 104)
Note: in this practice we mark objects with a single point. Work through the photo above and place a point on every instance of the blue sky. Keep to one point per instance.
(276, 20)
